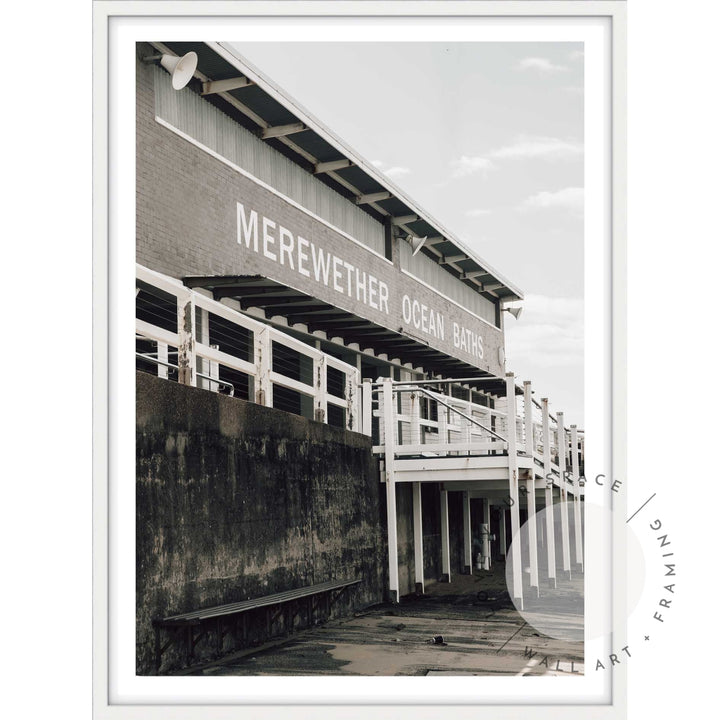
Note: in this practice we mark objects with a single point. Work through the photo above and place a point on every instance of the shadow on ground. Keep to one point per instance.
(447, 631)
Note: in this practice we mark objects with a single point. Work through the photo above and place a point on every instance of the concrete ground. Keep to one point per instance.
(478, 638)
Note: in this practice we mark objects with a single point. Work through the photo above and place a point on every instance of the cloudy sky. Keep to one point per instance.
(488, 138)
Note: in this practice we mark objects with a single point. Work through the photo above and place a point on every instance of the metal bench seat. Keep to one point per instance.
(198, 616)
(287, 601)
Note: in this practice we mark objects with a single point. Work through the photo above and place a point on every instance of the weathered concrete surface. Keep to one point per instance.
(235, 501)
(480, 639)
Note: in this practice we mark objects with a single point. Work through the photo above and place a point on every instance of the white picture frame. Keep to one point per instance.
(112, 183)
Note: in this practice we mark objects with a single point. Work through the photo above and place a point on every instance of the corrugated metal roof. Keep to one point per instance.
(266, 105)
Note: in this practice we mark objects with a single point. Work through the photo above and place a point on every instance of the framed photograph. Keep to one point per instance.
(359, 297)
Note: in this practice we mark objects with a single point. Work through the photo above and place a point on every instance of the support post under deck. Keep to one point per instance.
(503, 531)
(575, 459)
(530, 486)
(515, 546)
(418, 538)
(389, 417)
(549, 506)
(467, 533)
(564, 522)
(445, 536)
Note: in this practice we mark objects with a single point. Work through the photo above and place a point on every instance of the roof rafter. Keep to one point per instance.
(212, 87)
(276, 131)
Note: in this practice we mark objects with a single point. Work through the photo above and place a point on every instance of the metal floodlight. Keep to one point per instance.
(514, 311)
(416, 243)
(181, 69)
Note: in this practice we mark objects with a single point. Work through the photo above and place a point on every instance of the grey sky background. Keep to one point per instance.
(488, 138)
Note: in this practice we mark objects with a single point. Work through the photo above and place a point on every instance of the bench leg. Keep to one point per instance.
(189, 645)
(157, 650)
(288, 620)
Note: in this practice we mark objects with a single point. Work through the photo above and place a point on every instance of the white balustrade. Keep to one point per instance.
(197, 358)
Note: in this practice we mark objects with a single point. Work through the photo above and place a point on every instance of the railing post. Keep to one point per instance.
(214, 371)
(442, 412)
(186, 339)
(367, 408)
(468, 424)
(549, 503)
(562, 452)
(320, 371)
(389, 416)
(575, 459)
(514, 490)
(263, 364)
(415, 419)
(532, 518)
(352, 397)
(202, 335)
(162, 350)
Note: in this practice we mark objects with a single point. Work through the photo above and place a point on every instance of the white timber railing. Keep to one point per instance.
(540, 460)
(425, 422)
(185, 336)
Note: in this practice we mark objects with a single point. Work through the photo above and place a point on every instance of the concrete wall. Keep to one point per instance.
(235, 500)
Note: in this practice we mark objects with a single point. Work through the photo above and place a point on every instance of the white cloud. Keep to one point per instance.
(477, 212)
(469, 165)
(546, 346)
(528, 146)
(549, 333)
(541, 64)
(392, 171)
(571, 198)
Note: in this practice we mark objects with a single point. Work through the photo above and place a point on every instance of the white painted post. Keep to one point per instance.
(486, 521)
(530, 486)
(562, 465)
(514, 490)
(468, 425)
(186, 339)
(367, 408)
(503, 531)
(467, 533)
(352, 397)
(418, 539)
(202, 335)
(549, 505)
(320, 370)
(389, 413)
(263, 366)
(575, 459)
(442, 425)
(162, 350)
(445, 536)
(415, 438)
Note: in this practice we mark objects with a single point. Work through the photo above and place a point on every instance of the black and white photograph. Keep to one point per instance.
(343, 466)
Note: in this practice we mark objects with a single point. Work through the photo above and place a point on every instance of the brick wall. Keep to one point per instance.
(186, 224)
